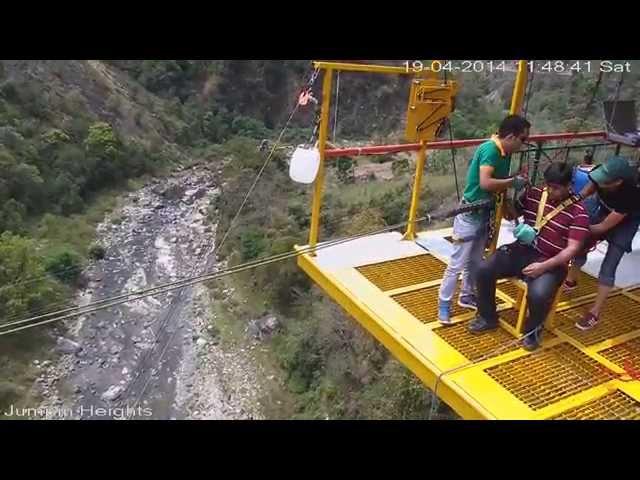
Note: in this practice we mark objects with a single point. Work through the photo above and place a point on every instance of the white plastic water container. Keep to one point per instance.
(304, 165)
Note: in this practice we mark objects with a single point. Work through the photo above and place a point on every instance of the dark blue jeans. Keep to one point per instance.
(620, 241)
(507, 262)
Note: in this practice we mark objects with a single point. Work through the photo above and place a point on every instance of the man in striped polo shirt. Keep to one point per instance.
(555, 225)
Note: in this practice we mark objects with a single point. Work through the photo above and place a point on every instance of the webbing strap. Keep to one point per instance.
(542, 221)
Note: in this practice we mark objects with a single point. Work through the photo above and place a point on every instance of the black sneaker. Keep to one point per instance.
(531, 341)
(479, 325)
(468, 301)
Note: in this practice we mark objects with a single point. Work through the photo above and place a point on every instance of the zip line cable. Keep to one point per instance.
(143, 293)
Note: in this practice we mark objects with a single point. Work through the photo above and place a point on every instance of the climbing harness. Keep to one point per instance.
(541, 220)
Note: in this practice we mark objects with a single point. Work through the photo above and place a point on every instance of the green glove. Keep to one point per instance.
(525, 234)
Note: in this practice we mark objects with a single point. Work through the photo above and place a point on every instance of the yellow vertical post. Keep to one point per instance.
(322, 143)
(421, 158)
(516, 105)
(519, 89)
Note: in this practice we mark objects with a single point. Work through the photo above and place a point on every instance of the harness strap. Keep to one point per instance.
(542, 221)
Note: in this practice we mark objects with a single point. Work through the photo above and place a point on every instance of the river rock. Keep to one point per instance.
(173, 191)
(112, 393)
(65, 345)
(263, 327)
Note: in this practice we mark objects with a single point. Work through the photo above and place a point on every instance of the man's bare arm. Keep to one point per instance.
(490, 184)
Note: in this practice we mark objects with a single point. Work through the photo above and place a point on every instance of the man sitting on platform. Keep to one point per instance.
(555, 225)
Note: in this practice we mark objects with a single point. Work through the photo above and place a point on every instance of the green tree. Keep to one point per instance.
(24, 285)
(12, 216)
(64, 265)
(19, 180)
(104, 150)
(101, 141)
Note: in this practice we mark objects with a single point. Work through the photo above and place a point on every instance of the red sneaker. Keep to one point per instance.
(588, 322)
(569, 286)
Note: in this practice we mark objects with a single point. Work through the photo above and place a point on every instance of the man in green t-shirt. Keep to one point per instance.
(488, 174)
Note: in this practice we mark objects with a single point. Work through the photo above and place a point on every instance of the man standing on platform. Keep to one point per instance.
(488, 174)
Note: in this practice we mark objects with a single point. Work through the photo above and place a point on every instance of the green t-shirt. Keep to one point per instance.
(487, 154)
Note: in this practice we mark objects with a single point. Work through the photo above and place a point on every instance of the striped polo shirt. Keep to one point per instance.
(571, 223)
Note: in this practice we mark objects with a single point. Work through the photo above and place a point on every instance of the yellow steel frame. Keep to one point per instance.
(329, 68)
(421, 159)
(322, 145)
(522, 307)
(363, 309)
(462, 384)
(362, 67)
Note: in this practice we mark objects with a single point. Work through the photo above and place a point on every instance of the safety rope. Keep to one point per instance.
(452, 150)
(266, 163)
(615, 102)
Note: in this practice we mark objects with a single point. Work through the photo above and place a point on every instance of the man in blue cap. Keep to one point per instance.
(616, 219)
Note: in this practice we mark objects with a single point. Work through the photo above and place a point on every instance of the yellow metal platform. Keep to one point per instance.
(391, 285)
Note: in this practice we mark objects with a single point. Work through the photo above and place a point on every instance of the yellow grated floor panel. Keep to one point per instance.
(621, 315)
(423, 303)
(613, 406)
(474, 347)
(624, 353)
(403, 272)
(549, 375)
(510, 316)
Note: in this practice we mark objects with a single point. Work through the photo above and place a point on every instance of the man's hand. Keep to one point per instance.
(520, 182)
(534, 270)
